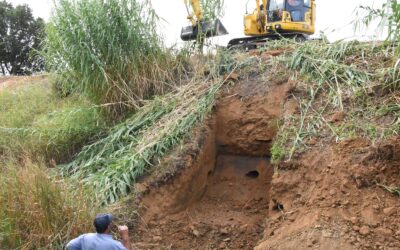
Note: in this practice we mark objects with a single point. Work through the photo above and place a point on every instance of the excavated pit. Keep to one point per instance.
(220, 198)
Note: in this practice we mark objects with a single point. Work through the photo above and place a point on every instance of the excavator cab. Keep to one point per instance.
(200, 28)
(274, 19)
(281, 16)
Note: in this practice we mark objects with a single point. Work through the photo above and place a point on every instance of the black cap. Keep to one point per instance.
(101, 222)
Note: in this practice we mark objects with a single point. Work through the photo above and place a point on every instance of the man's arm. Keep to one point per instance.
(75, 244)
(124, 233)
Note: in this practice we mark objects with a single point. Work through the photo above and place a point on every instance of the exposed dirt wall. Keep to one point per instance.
(330, 199)
(219, 197)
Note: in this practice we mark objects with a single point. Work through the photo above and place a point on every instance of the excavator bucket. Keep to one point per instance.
(206, 28)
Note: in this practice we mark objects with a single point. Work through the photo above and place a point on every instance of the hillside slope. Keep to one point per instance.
(328, 188)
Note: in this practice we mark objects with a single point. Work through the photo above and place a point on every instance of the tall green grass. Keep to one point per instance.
(38, 211)
(35, 121)
(212, 9)
(388, 16)
(110, 51)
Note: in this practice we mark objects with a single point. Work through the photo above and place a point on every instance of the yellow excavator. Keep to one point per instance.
(272, 19)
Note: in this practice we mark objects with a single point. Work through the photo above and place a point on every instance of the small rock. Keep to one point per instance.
(364, 230)
(389, 211)
(356, 228)
(354, 220)
(227, 239)
(376, 207)
(224, 231)
(157, 238)
(243, 228)
(196, 233)
(332, 192)
(222, 245)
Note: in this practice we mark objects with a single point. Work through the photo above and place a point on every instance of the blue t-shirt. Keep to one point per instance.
(95, 241)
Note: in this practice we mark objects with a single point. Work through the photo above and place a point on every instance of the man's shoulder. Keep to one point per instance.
(102, 241)
(113, 244)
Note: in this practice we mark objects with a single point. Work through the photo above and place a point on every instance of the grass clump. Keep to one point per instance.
(343, 90)
(38, 211)
(35, 121)
(110, 51)
(391, 189)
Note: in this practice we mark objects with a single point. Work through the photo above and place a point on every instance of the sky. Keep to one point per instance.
(334, 17)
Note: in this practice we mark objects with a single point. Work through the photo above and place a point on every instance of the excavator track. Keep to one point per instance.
(255, 42)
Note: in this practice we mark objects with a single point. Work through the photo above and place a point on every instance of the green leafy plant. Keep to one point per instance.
(388, 16)
(110, 51)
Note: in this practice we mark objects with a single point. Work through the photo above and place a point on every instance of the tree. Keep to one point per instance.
(20, 39)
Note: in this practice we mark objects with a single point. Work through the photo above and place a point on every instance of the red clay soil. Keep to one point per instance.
(331, 200)
(220, 200)
(226, 196)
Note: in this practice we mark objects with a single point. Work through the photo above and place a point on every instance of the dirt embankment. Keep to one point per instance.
(220, 197)
(224, 193)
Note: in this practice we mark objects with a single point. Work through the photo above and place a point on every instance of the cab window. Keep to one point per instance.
(275, 10)
(297, 9)
(276, 5)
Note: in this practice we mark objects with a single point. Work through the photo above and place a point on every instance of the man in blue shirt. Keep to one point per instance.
(102, 239)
